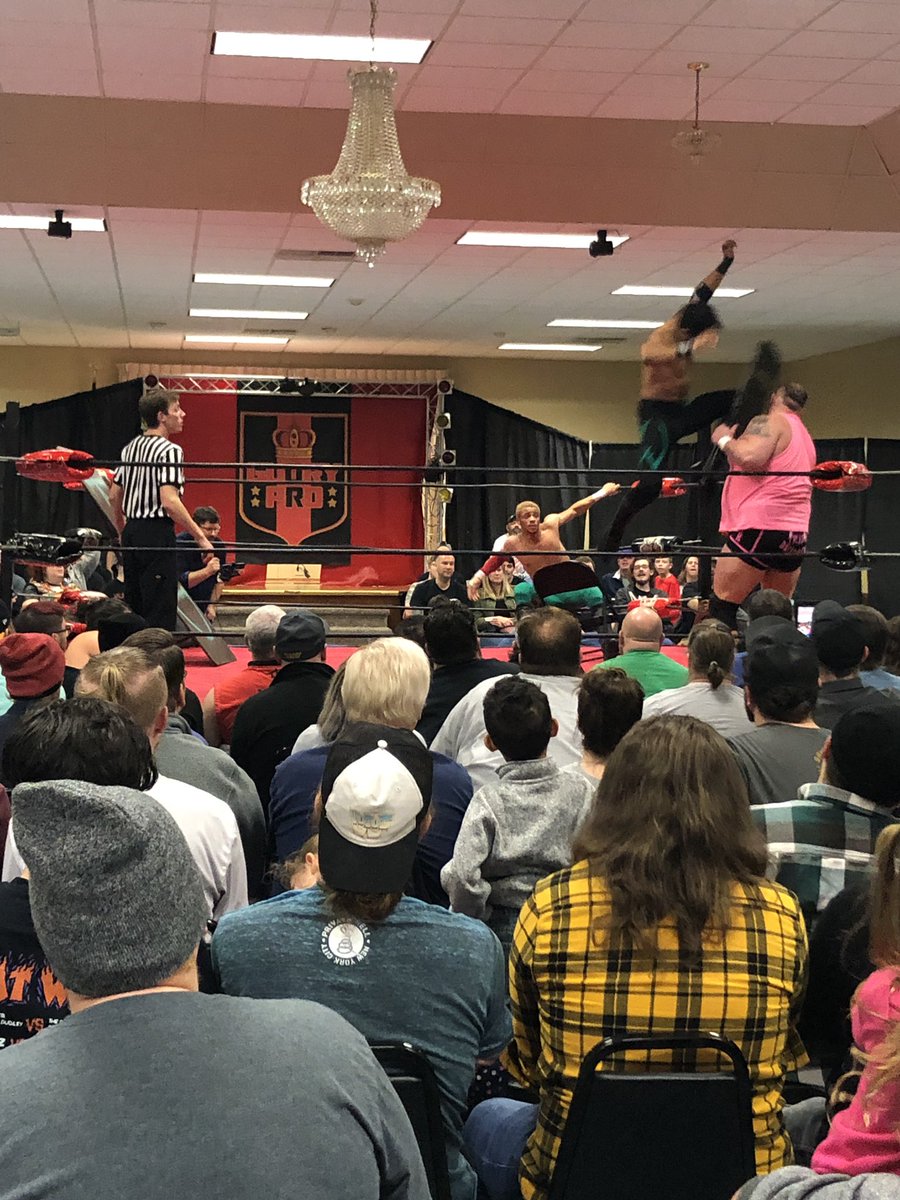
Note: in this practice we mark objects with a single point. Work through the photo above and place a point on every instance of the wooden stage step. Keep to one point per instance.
(348, 611)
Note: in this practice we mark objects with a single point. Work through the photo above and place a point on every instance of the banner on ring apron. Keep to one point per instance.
(292, 502)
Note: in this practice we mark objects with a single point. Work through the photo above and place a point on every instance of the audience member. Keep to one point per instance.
(863, 1137)
(85, 645)
(33, 665)
(666, 581)
(180, 755)
(385, 683)
(640, 654)
(640, 589)
(840, 642)
(225, 697)
(664, 923)
(198, 570)
(151, 1090)
(332, 716)
(892, 650)
(692, 608)
(495, 608)
(301, 870)
(875, 630)
(127, 677)
(824, 839)
(441, 548)
(267, 724)
(609, 703)
(781, 752)
(767, 602)
(42, 616)
(613, 580)
(114, 627)
(442, 581)
(800, 1183)
(412, 628)
(709, 695)
(548, 641)
(397, 969)
(451, 643)
(520, 828)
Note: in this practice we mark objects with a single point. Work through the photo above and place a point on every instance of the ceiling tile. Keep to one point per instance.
(44, 10)
(824, 70)
(643, 11)
(626, 36)
(543, 104)
(589, 83)
(562, 10)
(762, 14)
(490, 78)
(50, 82)
(784, 89)
(470, 54)
(832, 114)
(432, 99)
(158, 15)
(413, 25)
(290, 69)
(43, 34)
(127, 47)
(327, 95)
(861, 17)
(814, 43)
(301, 18)
(639, 107)
(438, 7)
(495, 29)
(254, 91)
(709, 39)
(672, 62)
(147, 87)
(882, 71)
(585, 58)
(868, 94)
(763, 109)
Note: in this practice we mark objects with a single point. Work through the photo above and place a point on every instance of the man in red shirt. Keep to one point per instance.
(220, 707)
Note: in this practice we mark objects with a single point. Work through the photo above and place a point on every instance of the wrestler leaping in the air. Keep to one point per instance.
(537, 544)
(664, 415)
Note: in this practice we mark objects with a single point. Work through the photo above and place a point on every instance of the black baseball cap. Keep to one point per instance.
(778, 654)
(838, 636)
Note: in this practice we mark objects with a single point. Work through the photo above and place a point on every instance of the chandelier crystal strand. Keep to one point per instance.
(368, 198)
(696, 142)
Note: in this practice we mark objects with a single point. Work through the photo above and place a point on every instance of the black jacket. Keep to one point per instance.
(449, 685)
(839, 696)
(268, 724)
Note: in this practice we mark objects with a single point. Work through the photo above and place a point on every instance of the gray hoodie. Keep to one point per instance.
(799, 1183)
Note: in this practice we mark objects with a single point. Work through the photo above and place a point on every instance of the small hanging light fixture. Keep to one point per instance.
(695, 142)
(369, 198)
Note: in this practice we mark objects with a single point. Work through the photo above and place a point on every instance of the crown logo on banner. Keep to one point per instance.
(293, 444)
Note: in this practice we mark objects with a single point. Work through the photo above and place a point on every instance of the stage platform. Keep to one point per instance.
(349, 611)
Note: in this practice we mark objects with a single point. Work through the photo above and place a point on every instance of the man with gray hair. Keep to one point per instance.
(221, 704)
(119, 909)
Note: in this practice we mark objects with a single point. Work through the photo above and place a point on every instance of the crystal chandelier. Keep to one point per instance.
(695, 142)
(368, 198)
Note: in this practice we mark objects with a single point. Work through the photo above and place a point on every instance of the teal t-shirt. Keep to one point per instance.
(425, 976)
(653, 670)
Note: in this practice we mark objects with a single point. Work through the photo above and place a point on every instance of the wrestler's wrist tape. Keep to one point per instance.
(723, 266)
(724, 440)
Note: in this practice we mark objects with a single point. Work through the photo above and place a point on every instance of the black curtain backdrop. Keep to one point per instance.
(100, 421)
(484, 435)
(882, 506)
(836, 517)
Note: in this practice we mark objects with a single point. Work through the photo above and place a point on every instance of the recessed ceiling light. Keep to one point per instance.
(584, 323)
(253, 313)
(320, 46)
(569, 346)
(631, 289)
(231, 339)
(313, 281)
(79, 224)
(540, 241)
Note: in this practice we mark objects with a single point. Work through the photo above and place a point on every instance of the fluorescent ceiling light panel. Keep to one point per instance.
(320, 46)
(313, 281)
(79, 224)
(584, 323)
(568, 346)
(231, 339)
(631, 289)
(534, 241)
(257, 314)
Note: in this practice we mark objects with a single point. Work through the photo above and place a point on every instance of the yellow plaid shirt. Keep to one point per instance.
(568, 994)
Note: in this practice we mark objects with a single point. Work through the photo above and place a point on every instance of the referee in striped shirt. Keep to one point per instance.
(147, 502)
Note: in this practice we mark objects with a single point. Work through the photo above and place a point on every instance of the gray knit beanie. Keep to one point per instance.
(116, 897)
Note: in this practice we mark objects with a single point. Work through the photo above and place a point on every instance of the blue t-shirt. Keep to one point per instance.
(425, 976)
(292, 795)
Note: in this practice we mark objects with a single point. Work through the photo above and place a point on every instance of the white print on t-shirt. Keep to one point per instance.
(345, 942)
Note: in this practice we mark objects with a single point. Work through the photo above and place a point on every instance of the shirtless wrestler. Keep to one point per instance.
(537, 543)
(663, 416)
(765, 518)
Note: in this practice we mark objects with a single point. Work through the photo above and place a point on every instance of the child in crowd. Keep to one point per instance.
(864, 1137)
(520, 828)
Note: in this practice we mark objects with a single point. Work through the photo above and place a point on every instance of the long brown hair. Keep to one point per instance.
(669, 833)
(711, 652)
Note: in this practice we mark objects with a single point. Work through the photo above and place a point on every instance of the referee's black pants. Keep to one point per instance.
(151, 572)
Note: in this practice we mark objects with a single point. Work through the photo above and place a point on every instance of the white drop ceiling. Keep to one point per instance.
(791, 62)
